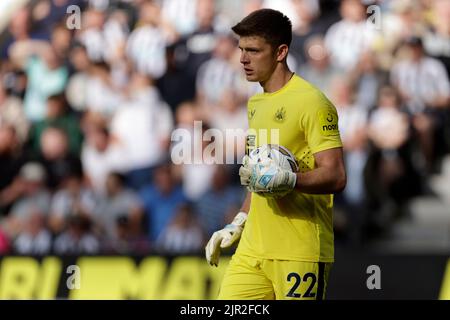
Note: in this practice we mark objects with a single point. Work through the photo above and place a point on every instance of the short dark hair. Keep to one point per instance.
(271, 25)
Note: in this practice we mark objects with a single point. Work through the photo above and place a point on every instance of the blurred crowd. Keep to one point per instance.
(87, 116)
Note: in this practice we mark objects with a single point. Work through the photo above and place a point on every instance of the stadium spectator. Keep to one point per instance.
(353, 120)
(119, 202)
(347, 39)
(45, 72)
(127, 242)
(390, 173)
(11, 113)
(11, 160)
(78, 239)
(103, 38)
(72, 198)
(142, 126)
(77, 86)
(100, 155)
(424, 85)
(60, 40)
(196, 47)
(47, 13)
(32, 198)
(231, 119)
(131, 58)
(436, 38)
(177, 85)
(403, 20)
(183, 235)
(218, 73)
(34, 239)
(181, 14)
(146, 44)
(221, 199)
(55, 155)
(161, 199)
(194, 152)
(59, 116)
(18, 30)
(367, 78)
(308, 26)
(317, 68)
(352, 127)
(103, 97)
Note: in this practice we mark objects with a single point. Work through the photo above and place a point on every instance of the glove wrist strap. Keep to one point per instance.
(239, 219)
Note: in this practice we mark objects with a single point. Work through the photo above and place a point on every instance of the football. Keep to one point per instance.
(268, 154)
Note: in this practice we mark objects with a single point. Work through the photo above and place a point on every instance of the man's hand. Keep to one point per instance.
(267, 178)
(245, 171)
(224, 238)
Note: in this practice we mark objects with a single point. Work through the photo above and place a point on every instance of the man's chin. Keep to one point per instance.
(251, 78)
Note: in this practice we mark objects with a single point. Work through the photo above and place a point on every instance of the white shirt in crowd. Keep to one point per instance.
(101, 97)
(351, 120)
(97, 165)
(141, 125)
(197, 169)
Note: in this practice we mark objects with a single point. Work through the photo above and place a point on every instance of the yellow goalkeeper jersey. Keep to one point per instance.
(298, 226)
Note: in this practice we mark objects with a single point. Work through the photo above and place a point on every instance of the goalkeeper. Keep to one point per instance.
(286, 244)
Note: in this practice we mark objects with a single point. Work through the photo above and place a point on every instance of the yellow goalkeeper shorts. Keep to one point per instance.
(249, 278)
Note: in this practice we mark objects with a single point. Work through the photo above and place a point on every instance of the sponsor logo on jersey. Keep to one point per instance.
(328, 121)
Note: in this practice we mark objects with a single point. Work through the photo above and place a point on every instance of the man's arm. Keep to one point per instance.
(20, 51)
(329, 176)
(225, 237)
(246, 204)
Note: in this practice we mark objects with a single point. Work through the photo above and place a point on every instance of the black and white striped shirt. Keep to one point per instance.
(146, 48)
(214, 77)
(423, 82)
(346, 41)
(182, 14)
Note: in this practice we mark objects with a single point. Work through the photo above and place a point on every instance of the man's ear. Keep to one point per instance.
(282, 52)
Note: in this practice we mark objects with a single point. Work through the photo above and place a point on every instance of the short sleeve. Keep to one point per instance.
(320, 123)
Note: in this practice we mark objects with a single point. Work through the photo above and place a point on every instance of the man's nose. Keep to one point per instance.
(244, 58)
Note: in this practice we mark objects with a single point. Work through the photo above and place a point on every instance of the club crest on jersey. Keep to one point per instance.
(280, 115)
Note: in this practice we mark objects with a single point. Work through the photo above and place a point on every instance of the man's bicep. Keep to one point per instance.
(331, 158)
(320, 124)
(331, 163)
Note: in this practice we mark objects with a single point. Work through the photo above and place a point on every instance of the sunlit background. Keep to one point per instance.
(92, 90)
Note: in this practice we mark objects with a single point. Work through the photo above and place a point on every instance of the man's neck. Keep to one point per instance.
(278, 79)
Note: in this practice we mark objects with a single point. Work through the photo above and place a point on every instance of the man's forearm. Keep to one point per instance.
(246, 205)
(321, 181)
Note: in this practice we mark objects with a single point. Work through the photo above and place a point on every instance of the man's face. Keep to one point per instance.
(257, 57)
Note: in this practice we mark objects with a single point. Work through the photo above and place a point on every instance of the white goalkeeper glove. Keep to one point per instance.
(267, 178)
(224, 238)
